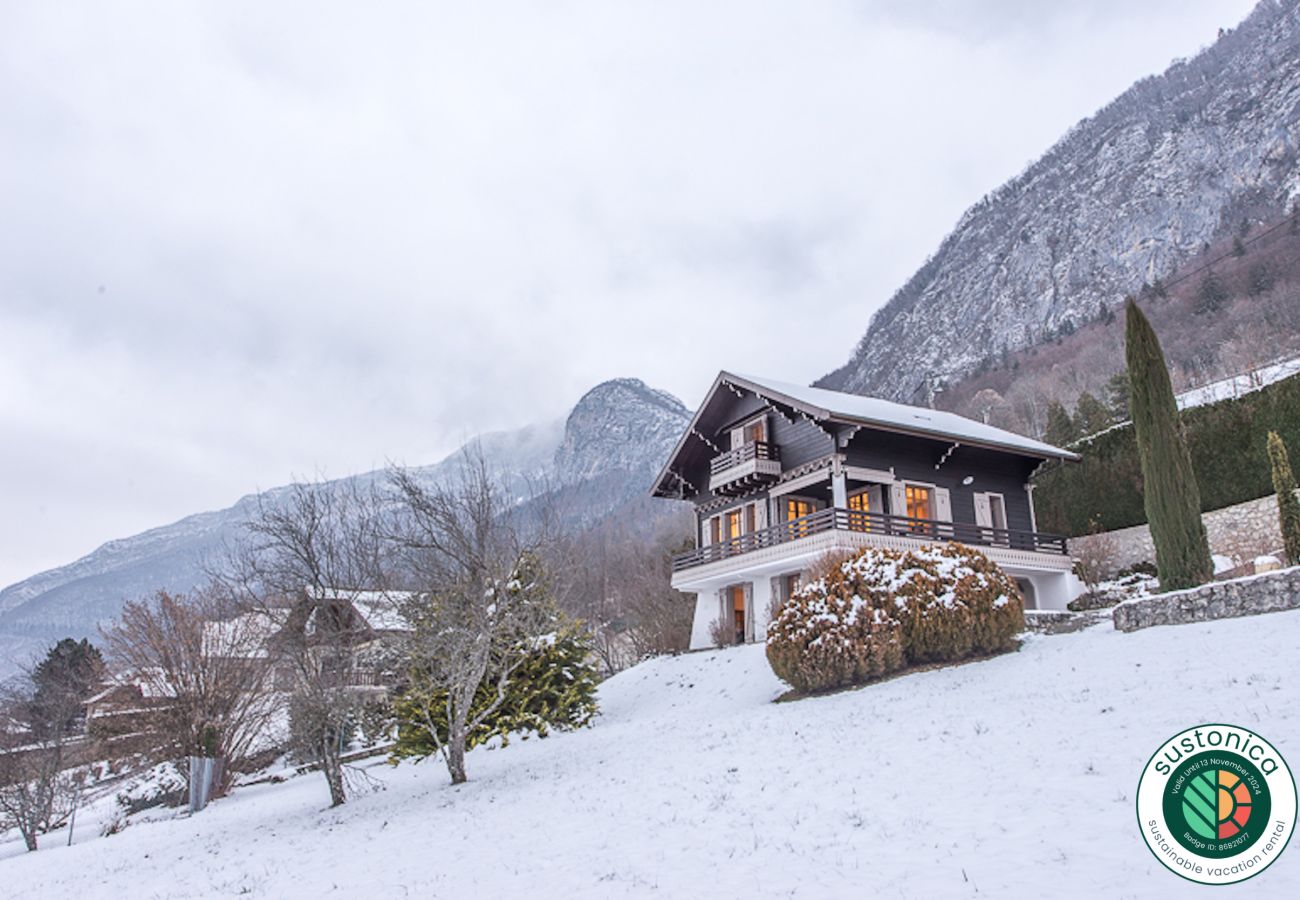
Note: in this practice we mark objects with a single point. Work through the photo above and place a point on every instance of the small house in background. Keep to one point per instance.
(120, 716)
(781, 475)
(357, 633)
(353, 634)
(249, 638)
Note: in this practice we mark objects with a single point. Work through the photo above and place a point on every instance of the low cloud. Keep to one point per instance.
(244, 241)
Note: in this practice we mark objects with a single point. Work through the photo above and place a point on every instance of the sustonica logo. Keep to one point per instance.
(1217, 804)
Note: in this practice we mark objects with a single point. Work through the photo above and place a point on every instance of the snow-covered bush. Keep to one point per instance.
(834, 631)
(162, 785)
(877, 610)
(955, 602)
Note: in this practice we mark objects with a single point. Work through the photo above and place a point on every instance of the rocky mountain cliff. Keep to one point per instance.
(613, 428)
(602, 456)
(1177, 161)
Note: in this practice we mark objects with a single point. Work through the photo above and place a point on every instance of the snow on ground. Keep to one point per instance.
(1224, 389)
(1237, 385)
(1013, 777)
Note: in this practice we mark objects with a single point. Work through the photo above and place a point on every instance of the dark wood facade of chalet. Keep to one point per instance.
(877, 460)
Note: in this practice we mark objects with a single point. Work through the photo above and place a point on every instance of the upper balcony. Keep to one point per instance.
(878, 529)
(744, 468)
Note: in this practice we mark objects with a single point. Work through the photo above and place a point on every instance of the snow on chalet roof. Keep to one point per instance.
(897, 416)
(152, 682)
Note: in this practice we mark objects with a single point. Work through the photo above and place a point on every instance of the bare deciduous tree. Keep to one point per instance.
(314, 548)
(1094, 557)
(619, 584)
(36, 790)
(204, 658)
(481, 596)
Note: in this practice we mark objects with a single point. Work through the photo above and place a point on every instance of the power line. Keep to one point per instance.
(1218, 259)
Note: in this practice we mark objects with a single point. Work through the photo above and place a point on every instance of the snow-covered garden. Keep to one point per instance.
(1012, 776)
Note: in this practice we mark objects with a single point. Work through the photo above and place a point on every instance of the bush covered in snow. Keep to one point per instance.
(878, 610)
(162, 785)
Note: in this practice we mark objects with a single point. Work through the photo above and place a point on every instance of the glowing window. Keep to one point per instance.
(795, 508)
(920, 502)
(733, 524)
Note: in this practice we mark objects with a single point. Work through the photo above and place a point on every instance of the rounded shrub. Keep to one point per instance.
(877, 610)
(830, 634)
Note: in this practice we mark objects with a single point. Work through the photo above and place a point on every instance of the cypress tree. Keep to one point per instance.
(1288, 508)
(1170, 494)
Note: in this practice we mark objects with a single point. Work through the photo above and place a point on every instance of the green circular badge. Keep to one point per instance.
(1219, 803)
(1216, 804)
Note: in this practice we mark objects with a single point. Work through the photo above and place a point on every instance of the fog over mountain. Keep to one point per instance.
(602, 456)
(244, 242)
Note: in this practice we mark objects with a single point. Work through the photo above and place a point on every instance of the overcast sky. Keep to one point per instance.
(241, 242)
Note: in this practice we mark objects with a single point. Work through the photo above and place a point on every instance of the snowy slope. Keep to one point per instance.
(1008, 778)
(1238, 385)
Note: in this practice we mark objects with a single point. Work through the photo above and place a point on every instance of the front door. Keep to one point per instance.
(738, 611)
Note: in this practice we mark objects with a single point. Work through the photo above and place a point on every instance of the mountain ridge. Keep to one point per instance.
(1124, 197)
(605, 452)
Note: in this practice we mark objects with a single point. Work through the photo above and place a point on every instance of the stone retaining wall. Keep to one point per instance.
(1240, 532)
(1251, 596)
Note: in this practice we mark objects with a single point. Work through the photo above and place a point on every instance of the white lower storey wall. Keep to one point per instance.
(711, 606)
(1046, 584)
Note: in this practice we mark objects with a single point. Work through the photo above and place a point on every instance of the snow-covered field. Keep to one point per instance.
(1008, 778)
(1238, 385)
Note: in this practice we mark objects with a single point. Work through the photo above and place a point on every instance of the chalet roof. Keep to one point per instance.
(871, 412)
(151, 682)
(822, 403)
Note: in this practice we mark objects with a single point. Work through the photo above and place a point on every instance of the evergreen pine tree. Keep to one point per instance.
(1060, 429)
(1288, 508)
(1170, 494)
(1260, 279)
(1238, 248)
(1117, 396)
(70, 672)
(1091, 415)
(1211, 295)
(554, 688)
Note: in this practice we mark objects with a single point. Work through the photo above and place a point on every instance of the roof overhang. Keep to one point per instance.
(823, 414)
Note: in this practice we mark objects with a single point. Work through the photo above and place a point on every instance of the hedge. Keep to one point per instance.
(877, 610)
(1228, 441)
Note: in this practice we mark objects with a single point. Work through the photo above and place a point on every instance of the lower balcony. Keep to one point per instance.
(880, 529)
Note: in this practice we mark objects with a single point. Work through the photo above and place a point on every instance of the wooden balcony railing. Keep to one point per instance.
(870, 523)
(354, 677)
(743, 454)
